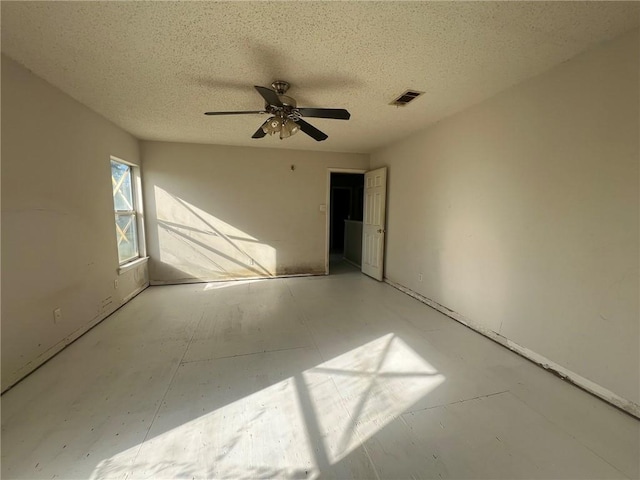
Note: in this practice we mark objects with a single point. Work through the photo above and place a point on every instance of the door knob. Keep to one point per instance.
(380, 230)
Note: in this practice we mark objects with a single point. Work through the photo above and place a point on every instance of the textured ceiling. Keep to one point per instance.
(153, 68)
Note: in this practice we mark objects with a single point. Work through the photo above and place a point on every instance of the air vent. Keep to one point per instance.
(406, 97)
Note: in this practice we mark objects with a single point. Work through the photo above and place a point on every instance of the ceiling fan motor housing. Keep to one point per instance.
(287, 101)
(281, 87)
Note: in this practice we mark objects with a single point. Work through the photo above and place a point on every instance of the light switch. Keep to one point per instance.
(323, 208)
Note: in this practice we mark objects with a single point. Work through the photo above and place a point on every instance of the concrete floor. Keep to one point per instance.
(316, 377)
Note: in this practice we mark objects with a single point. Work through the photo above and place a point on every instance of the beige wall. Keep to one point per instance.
(58, 235)
(522, 214)
(216, 212)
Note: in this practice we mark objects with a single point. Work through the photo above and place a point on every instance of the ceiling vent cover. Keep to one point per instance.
(406, 97)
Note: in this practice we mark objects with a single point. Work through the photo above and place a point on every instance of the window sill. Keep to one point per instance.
(132, 264)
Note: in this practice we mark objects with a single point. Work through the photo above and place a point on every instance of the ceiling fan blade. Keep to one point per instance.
(246, 112)
(269, 95)
(312, 131)
(336, 113)
(260, 133)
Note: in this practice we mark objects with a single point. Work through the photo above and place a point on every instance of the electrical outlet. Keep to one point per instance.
(115, 284)
(419, 277)
(57, 315)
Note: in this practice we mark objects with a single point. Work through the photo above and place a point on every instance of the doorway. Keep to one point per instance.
(344, 219)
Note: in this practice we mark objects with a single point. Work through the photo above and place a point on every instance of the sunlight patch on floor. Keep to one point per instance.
(377, 382)
(293, 429)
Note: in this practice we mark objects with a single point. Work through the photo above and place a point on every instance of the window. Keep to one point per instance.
(124, 202)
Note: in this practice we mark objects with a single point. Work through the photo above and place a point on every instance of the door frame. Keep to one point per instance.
(327, 239)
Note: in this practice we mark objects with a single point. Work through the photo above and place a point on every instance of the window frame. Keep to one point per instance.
(136, 213)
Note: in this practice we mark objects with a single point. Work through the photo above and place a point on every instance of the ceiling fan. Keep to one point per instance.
(286, 116)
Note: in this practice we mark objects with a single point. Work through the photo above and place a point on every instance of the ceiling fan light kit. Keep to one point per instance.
(286, 119)
(284, 126)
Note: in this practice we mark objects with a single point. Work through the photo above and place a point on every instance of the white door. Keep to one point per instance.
(375, 195)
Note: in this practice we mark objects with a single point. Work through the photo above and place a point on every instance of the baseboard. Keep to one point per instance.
(133, 294)
(188, 281)
(562, 372)
(52, 351)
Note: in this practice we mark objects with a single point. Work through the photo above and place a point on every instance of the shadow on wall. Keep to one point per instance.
(197, 246)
